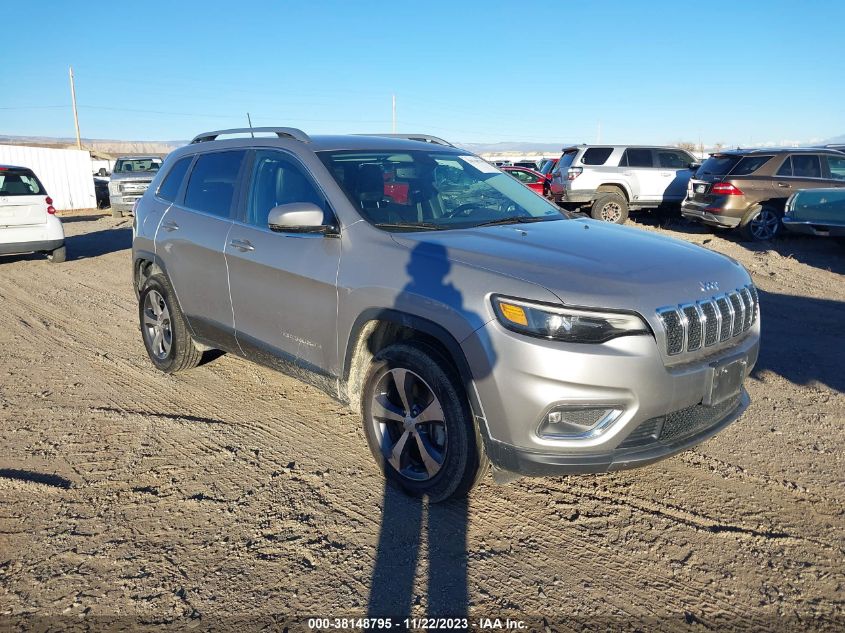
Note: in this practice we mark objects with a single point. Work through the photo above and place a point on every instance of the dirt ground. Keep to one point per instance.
(233, 495)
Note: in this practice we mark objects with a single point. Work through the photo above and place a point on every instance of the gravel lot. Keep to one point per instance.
(233, 495)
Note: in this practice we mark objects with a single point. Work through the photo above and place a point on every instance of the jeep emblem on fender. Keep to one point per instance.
(709, 286)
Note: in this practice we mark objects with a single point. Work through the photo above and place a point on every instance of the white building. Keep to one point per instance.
(65, 173)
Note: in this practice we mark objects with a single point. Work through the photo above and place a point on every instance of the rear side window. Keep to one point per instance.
(211, 187)
(596, 155)
(718, 164)
(749, 165)
(786, 168)
(19, 183)
(804, 166)
(173, 180)
(637, 158)
(837, 167)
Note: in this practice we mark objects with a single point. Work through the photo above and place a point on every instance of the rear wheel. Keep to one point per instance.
(610, 207)
(163, 328)
(58, 255)
(419, 425)
(763, 224)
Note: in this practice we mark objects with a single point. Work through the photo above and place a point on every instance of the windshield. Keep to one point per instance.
(547, 167)
(19, 183)
(135, 165)
(430, 190)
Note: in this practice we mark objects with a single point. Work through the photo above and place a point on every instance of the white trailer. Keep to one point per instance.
(65, 173)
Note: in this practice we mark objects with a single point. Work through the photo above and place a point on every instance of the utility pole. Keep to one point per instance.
(394, 114)
(75, 114)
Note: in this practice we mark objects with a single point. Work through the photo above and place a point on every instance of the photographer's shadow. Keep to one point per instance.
(407, 520)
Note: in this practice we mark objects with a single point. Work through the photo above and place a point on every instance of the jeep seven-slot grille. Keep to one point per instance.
(705, 323)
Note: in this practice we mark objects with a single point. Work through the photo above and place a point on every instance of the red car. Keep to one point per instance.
(530, 178)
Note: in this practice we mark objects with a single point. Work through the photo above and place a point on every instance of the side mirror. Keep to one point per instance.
(694, 166)
(299, 217)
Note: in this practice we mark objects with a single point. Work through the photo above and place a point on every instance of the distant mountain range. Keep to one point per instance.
(117, 147)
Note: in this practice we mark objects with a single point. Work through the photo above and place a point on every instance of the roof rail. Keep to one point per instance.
(281, 132)
(423, 138)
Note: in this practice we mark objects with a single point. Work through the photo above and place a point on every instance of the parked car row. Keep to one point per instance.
(748, 190)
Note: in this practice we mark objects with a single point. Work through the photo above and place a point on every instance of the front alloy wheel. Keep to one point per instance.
(409, 424)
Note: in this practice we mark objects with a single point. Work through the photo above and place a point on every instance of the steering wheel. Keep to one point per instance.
(461, 210)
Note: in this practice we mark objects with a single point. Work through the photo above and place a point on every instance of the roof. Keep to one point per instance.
(14, 167)
(566, 148)
(775, 150)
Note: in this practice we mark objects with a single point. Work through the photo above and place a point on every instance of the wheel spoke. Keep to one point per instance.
(433, 412)
(401, 380)
(150, 319)
(155, 303)
(395, 457)
(384, 409)
(157, 342)
(430, 456)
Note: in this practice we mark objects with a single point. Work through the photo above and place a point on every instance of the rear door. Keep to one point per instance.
(798, 171)
(23, 201)
(191, 239)
(283, 284)
(647, 179)
(675, 172)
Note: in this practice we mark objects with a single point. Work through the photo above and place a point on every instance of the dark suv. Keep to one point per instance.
(748, 188)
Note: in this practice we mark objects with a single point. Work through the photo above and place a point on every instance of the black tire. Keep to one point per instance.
(181, 354)
(464, 461)
(762, 225)
(58, 255)
(116, 213)
(610, 207)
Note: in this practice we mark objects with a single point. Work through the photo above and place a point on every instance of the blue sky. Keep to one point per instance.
(650, 71)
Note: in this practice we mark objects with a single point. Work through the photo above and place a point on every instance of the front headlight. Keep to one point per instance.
(573, 325)
(114, 188)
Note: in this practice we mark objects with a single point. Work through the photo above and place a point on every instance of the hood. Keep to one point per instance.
(590, 263)
(134, 176)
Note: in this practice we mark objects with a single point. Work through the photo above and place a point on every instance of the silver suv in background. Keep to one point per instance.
(129, 180)
(608, 181)
(465, 318)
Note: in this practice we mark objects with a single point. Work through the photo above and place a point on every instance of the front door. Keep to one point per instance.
(674, 170)
(283, 285)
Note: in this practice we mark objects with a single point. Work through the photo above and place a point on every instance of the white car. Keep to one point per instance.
(28, 222)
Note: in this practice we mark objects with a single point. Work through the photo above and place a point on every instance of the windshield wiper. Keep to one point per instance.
(410, 226)
(516, 219)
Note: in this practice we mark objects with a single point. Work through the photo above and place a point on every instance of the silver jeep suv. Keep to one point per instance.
(466, 318)
(608, 181)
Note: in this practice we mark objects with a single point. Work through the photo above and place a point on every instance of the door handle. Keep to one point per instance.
(170, 225)
(783, 185)
(242, 245)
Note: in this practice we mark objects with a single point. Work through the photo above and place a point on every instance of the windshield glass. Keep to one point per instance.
(430, 190)
(135, 165)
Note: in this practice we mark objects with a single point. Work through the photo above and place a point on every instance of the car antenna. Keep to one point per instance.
(250, 125)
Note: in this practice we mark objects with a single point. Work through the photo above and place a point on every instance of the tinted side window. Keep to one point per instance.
(173, 180)
(212, 183)
(673, 160)
(749, 165)
(277, 180)
(596, 155)
(804, 166)
(837, 167)
(637, 158)
(786, 168)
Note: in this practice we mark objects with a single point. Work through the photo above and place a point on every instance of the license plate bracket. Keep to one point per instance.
(724, 380)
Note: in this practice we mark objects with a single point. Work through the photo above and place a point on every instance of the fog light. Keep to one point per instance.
(577, 422)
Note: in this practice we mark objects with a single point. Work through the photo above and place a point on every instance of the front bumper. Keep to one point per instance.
(123, 204)
(701, 212)
(519, 379)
